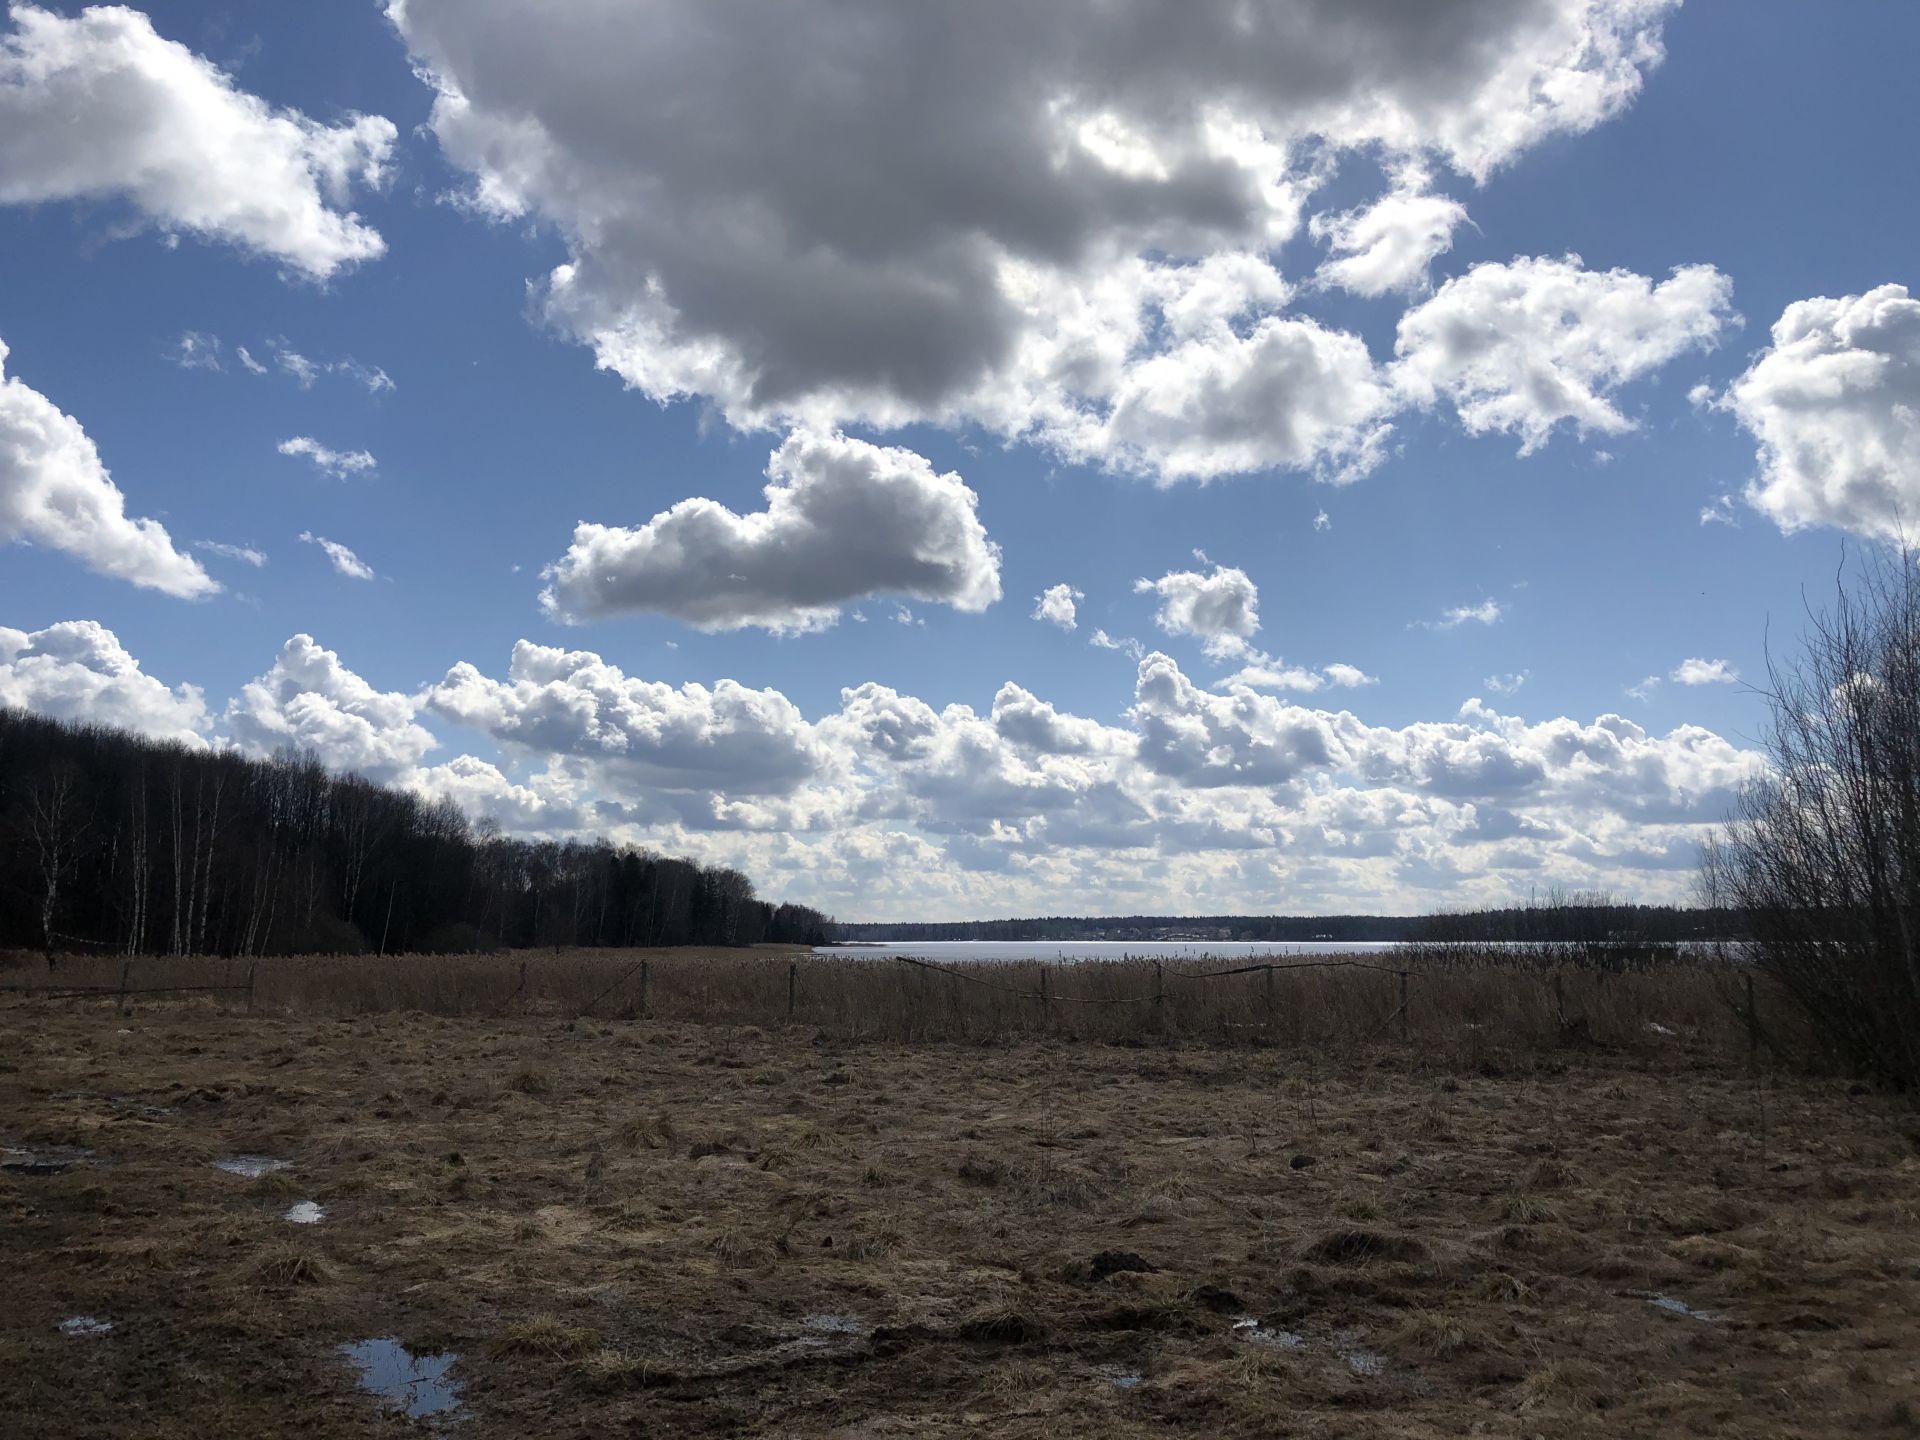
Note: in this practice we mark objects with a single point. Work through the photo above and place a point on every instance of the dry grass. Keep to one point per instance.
(1478, 1011)
(707, 1230)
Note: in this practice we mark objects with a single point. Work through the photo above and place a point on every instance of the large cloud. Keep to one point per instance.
(98, 106)
(844, 519)
(308, 699)
(1524, 346)
(886, 806)
(55, 492)
(856, 210)
(78, 670)
(1835, 404)
(641, 734)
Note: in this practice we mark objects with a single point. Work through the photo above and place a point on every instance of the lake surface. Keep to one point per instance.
(960, 952)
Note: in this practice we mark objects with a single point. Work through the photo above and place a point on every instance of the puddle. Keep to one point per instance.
(1654, 1027)
(1254, 1333)
(836, 1325)
(1117, 1377)
(251, 1167)
(43, 1160)
(307, 1212)
(1680, 1307)
(85, 1325)
(415, 1384)
(1363, 1362)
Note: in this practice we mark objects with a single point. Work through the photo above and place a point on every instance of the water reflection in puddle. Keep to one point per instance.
(825, 1324)
(42, 1159)
(250, 1167)
(1254, 1333)
(307, 1212)
(415, 1384)
(1119, 1378)
(85, 1325)
(1680, 1307)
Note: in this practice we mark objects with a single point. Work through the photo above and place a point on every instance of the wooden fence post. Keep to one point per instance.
(1046, 1011)
(793, 986)
(1160, 996)
(1266, 979)
(250, 969)
(1753, 1028)
(643, 990)
(1403, 1007)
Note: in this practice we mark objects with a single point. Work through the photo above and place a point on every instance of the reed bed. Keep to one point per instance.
(1469, 1003)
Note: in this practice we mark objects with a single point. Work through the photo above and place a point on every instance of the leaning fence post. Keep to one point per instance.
(793, 985)
(1403, 1006)
(643, 990)
(250, 969)
(1159, 995)
(1266, 979)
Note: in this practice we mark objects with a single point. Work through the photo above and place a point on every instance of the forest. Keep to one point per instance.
(110, 842)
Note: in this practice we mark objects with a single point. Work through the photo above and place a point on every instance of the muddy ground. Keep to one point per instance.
(624, 1228)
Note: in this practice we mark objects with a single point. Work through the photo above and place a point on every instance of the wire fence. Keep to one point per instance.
(1324, 1001)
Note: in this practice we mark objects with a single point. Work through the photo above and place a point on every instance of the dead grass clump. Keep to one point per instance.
(736, 1248)
(1562, 1384)
(1522, 1208)
(1003, 1325)
(1356, 1246)
(545, 1335)
(649, 1132)
(982, 1171)
(530, 1079)
(607, 1370)
(1433, 1335)
(287, 1266)
(1549, 1173)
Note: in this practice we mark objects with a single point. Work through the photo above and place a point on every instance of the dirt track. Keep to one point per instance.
(683, 1230)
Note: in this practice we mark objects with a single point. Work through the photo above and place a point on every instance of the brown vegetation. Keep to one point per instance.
(666, 1228)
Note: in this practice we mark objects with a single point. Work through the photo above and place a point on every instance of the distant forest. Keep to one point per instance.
(1583, 917)
(113, 842)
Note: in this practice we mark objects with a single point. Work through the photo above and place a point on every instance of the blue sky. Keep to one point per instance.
(826, 236)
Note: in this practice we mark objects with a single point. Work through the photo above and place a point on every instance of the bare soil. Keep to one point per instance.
(666, 1229)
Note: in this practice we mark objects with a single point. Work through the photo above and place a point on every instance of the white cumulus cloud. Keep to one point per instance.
(1220, 607)
(97, 106)
(1534, 343)
(844, 519)
(1835, 405)
(309, 699)
(1391, 244)
(1704, 672)
(1056, 605)
(55, 492)
(78, 670)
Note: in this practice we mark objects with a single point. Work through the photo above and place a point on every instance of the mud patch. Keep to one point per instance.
(250, 1167)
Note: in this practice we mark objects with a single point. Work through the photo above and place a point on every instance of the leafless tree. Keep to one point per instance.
(1823, 854)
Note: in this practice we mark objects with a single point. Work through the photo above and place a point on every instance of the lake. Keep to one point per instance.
(972, 951)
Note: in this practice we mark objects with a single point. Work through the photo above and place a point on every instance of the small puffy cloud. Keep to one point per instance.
(78, 670)
(1268, 672)
(1125, 644)
(342, 559)
(1704, 672)
(244, 554)
(1835, 405)
(308, 698)
(1390, 244)
(55, 492)
(1522, 347)
(844, 519)
(1348, 677)
(337, 463)
(98, 106)
(1056, 605)
(251, 365)
(1508, 684)
(1487, 612)
(1323, 521)
(1643, 692)
(1220, 607)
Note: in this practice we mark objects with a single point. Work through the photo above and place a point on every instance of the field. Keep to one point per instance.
(1550, 1224)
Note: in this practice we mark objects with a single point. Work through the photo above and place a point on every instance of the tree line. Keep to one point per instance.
(113, 842)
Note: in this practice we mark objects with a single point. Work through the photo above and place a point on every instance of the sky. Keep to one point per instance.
(966, 459)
